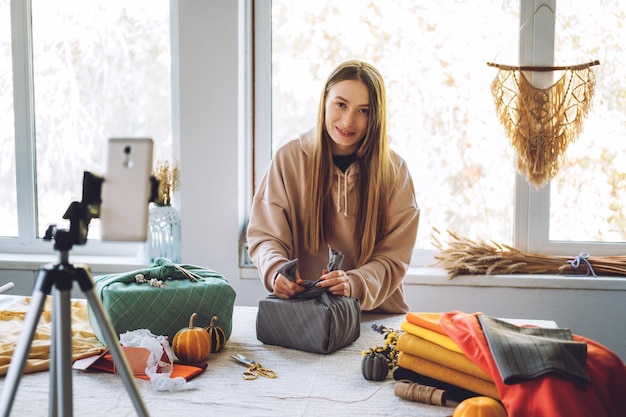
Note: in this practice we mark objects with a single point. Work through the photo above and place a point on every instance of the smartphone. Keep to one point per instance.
(126, 189)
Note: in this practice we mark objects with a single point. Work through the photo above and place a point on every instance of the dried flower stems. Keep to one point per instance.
(462, 256)
(168, 182)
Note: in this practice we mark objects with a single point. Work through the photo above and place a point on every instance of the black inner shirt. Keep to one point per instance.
(343, 162)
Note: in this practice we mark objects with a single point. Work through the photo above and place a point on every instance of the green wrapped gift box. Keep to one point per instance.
(164, 308)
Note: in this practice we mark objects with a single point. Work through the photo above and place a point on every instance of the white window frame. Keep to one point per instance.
(532, 206)
(532, 219)
(23, 98)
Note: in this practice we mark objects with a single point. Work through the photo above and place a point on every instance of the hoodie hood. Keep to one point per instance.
(344, 180)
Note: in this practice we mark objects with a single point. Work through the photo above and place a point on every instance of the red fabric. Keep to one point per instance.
(106, 363)
(550, 395)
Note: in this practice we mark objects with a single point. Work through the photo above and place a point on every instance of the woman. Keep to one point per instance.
(339, 186)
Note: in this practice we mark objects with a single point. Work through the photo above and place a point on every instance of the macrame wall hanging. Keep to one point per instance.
(542, 122)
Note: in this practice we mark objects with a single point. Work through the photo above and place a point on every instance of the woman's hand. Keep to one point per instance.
(286, 289)
(336, 282)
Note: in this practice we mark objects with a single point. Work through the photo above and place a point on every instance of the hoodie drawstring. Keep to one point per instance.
(345, 194)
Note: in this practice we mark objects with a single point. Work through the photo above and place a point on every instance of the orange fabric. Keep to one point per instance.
(428, 321)
(549, 395)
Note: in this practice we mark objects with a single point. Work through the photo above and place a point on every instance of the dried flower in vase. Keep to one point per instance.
(168, 182)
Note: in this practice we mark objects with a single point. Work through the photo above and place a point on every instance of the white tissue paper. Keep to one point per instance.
(160, 361)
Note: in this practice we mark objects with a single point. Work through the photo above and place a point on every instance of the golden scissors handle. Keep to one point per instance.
(255, 370)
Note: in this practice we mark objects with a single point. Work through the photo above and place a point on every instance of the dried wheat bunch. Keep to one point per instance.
(462, 256)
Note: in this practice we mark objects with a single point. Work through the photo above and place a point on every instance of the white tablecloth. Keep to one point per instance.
(307, 385)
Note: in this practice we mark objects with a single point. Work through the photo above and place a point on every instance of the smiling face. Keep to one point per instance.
(347, 114)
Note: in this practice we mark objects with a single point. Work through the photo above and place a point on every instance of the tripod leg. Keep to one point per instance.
(113, 344)
(22, 348)
(61, 316)
(53, 394)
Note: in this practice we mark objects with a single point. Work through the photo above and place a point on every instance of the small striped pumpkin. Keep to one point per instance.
(217, 336)
(374, 366)
(191, 344)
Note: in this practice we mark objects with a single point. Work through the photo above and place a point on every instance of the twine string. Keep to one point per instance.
(404, 389)
(424, 394)
(583, 257)
(336, 400)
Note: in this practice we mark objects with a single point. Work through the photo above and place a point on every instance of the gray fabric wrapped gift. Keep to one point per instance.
(314, 321)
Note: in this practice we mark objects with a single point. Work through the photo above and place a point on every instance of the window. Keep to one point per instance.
(93, 70)
(586, 201)
(8, 204)
(441, 114)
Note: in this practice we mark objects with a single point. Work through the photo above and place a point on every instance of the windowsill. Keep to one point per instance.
(97, 264)
(424, 276)
(428, 276)
(439, 277)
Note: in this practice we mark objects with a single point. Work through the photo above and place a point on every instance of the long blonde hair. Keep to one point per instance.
(374, 159)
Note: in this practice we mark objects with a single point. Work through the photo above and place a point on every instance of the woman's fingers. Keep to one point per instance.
(286, 289)
(337, 283)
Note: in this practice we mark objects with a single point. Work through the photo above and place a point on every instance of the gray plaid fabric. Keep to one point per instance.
(522, 353)
(322, 324)
(314, 321)
(289, 271)
(164, 311)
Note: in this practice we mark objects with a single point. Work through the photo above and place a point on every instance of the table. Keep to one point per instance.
(308, 384)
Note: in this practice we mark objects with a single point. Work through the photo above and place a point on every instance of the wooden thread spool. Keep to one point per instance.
(420, 393)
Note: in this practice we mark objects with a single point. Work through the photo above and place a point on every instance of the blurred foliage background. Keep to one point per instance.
(441, 115)
(103, 69)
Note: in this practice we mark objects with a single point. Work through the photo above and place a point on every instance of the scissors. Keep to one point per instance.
(254, 368)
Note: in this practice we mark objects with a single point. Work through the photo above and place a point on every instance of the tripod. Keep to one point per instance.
(57, 280)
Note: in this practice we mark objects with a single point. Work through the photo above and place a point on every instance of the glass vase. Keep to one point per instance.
(163, 233)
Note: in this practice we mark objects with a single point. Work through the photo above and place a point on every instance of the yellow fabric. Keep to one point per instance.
(418, 346)
(84, 342)
(431, 336)
(442, 373)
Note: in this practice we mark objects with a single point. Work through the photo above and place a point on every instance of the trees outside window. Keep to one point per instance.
(93, 70)
(441, 111)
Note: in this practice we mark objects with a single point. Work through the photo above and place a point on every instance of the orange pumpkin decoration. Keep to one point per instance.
(479, 407)
(192, 344)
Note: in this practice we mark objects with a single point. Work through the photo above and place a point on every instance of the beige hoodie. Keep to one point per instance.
(275, 229)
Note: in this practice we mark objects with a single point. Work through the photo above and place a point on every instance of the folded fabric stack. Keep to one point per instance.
(539, 372)
(533, 371)
(429, 356)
